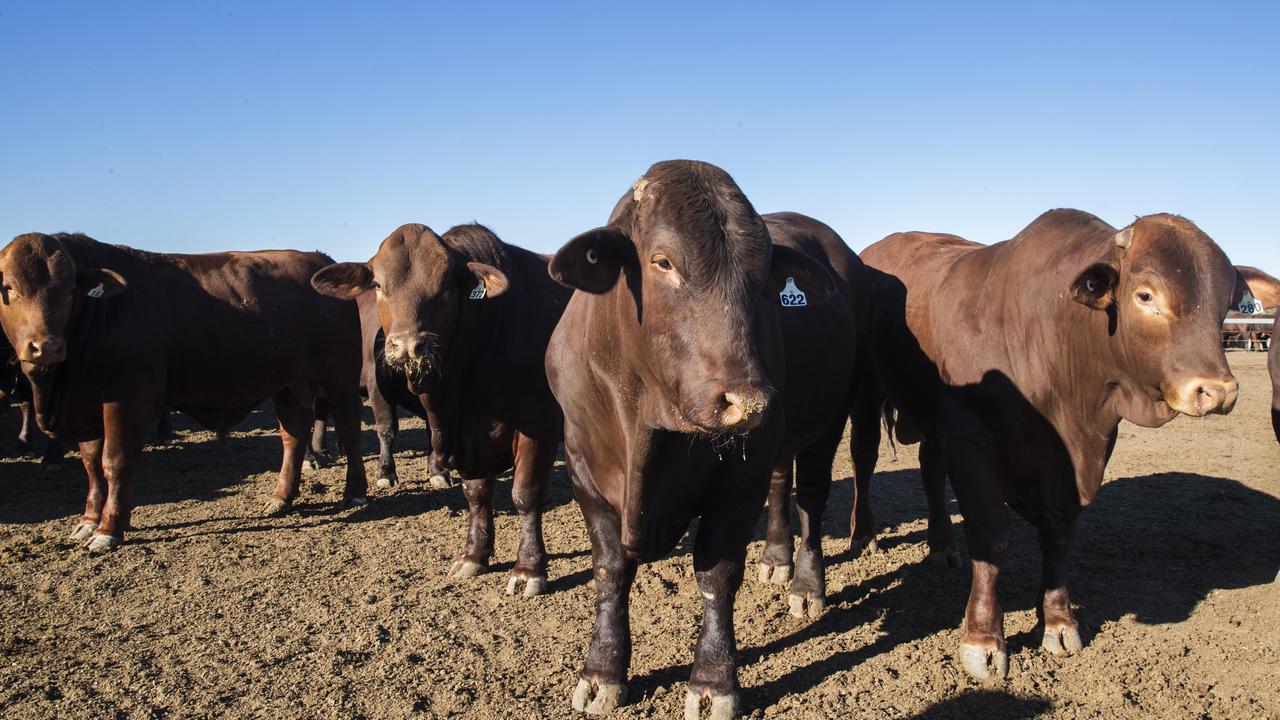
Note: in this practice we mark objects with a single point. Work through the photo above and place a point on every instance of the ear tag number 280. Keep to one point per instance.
(478, 292)
(1249, 305)
(792, 296)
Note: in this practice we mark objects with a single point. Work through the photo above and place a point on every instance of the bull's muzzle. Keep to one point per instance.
(404, 347)
(43, 351)
(1205, 395)
(744, 410)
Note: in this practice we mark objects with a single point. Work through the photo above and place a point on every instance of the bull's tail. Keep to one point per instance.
(890, 420)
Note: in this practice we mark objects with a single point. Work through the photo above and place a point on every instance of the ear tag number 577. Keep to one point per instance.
(477, 293)
(792, 296)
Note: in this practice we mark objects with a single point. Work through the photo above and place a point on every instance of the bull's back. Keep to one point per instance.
(818, 340)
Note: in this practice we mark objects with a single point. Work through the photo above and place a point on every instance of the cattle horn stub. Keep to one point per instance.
(1124, 238)
(638, 189)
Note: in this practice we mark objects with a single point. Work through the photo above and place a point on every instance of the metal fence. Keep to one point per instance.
(1245, 332)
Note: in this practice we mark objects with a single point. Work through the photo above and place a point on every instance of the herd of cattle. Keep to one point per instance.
(695, 358)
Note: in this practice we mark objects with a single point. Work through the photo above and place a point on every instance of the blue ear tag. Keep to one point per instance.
(478, 292)
(97, 291)
(792, 296)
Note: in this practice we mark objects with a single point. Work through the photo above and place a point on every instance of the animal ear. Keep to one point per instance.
(492, 282)
(345, 281)
(592, 261)
(1239, 292)
(1096, 286)
(100, 283)
(797, 280)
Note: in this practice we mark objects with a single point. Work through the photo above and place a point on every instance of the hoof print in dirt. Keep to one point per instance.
(1061, 641)
(464, 568)
(776, 574)
(984, 663)
(102, 543)
(598, 698)
(532, 586)
(807, 605)
(721, 707)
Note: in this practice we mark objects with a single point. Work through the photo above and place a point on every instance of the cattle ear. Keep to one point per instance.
(592, 261)
(345, 281)
(1095, 287)
(492, 281)
(99, 283)
(797, 280)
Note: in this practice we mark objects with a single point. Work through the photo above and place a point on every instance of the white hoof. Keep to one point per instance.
(385, 483)
(83, 531)
(1061, 641)
(532, 586)
(102, 543)
(463, 568)
(776, 574)
(276, 508)
(438, 482)
(723, 707)
(983, 663)
(807, 605)
(606, 697)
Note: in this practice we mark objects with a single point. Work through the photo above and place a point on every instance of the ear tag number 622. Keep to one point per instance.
(792, 296)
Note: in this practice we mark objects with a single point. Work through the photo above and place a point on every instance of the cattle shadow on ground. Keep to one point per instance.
(1153, 546)
(985, 704)
(197, 467)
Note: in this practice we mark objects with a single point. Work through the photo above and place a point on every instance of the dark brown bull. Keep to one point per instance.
(466, 319)
(1273, 365)
(16, 390)
(666, 364)
(1016, 362)
(387, 389)
(110, 336)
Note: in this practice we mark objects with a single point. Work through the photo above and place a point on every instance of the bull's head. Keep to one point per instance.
(1166, 287)
(420, 284)
(40, 284)
(697, 261)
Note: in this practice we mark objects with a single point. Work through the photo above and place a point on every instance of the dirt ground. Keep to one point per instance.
(211, 610)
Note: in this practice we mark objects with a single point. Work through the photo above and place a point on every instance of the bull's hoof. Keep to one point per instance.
(808, 605)
(987, 664)
(353, 502)
(464, 568)
(438, 481)
(723, 707)
(949, 557)
(598, 698)
(83, 531)
(864, 545)
(1063, 640)
(535, 585)
(385, 483)
(316, 461)
(102, 543)
(776, 574)
(276, 507)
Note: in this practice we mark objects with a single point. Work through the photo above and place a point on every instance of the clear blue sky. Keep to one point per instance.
(193, 126)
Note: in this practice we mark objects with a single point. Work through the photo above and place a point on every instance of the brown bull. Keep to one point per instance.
(466, 319)
(110, 337)
(1273, 365)
(1017, 361)
(667, 364)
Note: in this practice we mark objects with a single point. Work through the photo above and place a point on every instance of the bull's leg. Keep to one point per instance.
(124, 435)
(813, 488)
(479, 546)
(295, 415)
(866, 451)
(987, 527)
(439, 477)
(1060, 633)
(602, 684)
(26, 411)
(933, 473)
(534, 460)
(318, 447)
(164, 429)
(91, 457)
(718, 556)
(387, 424)
(775, 562)
(346, 421)
(51, 462)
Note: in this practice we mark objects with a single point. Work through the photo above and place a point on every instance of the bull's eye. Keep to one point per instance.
(662, 262)
(1144, 296)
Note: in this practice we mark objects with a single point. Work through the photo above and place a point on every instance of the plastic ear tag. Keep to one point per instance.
(1249, 305)
(792, 296)
(97, 291)
(478, 292)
